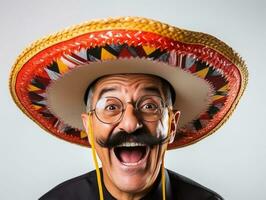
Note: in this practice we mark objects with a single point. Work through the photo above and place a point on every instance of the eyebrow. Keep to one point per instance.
(105, 90)
(152, 89)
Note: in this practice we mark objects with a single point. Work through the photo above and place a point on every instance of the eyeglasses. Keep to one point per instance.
(110, 110)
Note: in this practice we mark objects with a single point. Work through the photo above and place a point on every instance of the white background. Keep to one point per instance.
(231, 162)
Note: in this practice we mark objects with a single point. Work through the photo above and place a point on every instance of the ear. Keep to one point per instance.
(174, 125)
(85, 119)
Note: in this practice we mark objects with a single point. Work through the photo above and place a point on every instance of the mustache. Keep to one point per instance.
(140, 136)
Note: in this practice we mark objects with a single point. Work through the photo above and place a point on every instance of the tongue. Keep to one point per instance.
(130, 155)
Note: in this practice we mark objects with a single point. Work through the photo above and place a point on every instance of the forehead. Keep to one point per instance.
(129, 82)
(128, 79)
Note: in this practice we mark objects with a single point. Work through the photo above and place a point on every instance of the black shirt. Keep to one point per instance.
(85, 187)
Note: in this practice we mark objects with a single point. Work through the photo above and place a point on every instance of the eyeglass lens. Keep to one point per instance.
(111, 109)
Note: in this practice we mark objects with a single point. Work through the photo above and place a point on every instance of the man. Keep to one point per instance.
(131, 127)
(141, 87)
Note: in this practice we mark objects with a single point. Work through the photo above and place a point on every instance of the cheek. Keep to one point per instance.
(101, 130)
(163, 125)
(156, 159)
(103, 154)
(159, 128)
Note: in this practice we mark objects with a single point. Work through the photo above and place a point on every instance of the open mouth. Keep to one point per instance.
(131, 153)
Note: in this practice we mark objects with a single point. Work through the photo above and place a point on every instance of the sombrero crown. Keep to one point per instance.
(49, 79)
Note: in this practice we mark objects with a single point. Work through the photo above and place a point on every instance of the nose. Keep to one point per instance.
(130, 121)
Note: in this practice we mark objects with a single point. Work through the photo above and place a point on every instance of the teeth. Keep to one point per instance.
(130, 144)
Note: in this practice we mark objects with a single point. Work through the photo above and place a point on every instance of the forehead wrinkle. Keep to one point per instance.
(129, 82)
(128, 78)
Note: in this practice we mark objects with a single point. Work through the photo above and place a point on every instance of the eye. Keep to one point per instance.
(149, 107)
(112, 107)
(111, 110)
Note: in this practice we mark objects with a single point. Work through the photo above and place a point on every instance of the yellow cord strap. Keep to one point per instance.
(163, 181)
(162, 167)
(99, 181)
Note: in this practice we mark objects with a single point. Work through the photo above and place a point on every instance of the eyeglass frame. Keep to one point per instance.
(165, 105)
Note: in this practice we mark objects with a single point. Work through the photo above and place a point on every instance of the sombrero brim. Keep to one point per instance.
(49, 79)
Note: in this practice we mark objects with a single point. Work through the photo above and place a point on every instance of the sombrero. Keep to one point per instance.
(49, 79)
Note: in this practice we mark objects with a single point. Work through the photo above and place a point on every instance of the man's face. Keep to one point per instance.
(133, 169)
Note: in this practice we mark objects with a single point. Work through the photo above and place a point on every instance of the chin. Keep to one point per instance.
(132, 184)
